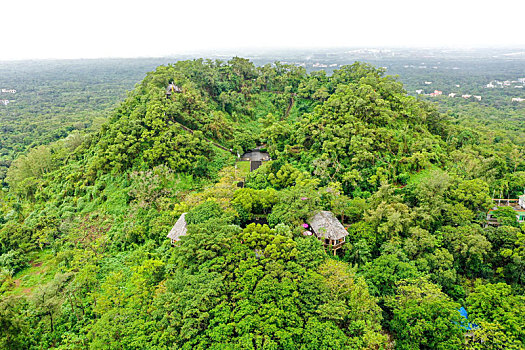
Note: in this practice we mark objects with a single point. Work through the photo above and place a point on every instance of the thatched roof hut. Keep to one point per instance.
(179, 229)
(326, 225)
(328, 229)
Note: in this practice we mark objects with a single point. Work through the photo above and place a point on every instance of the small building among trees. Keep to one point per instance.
(328, 229)
(518, 205)
(171, 89)
(178, 230)
(256, 157)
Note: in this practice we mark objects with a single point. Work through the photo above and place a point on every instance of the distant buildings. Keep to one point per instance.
(453, 94)
(428, 82)
(517, 99)
(518, 84)
(5, 102)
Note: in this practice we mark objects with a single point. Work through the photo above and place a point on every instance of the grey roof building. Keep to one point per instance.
(256, 157)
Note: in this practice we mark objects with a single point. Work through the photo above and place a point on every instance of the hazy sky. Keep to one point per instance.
(127, 28)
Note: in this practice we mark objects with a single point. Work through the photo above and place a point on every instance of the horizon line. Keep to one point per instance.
(267, 50)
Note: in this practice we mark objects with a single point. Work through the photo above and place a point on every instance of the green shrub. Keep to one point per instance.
(203, 212)
(13, 261)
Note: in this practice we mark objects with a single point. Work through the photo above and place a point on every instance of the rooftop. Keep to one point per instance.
(326, 225)
(179, 229)
(255, 155)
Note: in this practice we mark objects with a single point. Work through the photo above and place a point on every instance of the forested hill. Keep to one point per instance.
(50, 99)
(85, 262)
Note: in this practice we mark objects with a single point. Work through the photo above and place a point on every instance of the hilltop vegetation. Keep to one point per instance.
(89, 215)
(55, 98)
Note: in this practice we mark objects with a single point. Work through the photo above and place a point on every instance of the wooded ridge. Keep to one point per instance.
(85, 261)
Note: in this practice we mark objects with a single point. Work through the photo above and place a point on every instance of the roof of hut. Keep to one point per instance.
(326, 225)
(179, 229)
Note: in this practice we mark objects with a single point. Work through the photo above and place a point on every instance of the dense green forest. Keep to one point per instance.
(54, 98)
(85, 262)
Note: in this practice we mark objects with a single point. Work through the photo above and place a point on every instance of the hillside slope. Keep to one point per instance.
(85, 262)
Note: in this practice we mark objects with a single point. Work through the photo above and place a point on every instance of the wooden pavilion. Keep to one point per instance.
(328, 229)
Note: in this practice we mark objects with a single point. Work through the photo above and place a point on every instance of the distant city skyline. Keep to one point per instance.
(97, 29)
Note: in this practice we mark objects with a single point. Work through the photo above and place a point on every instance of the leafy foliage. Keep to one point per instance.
(85, 263)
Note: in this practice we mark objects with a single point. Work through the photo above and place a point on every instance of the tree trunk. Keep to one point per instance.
(51, 318)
